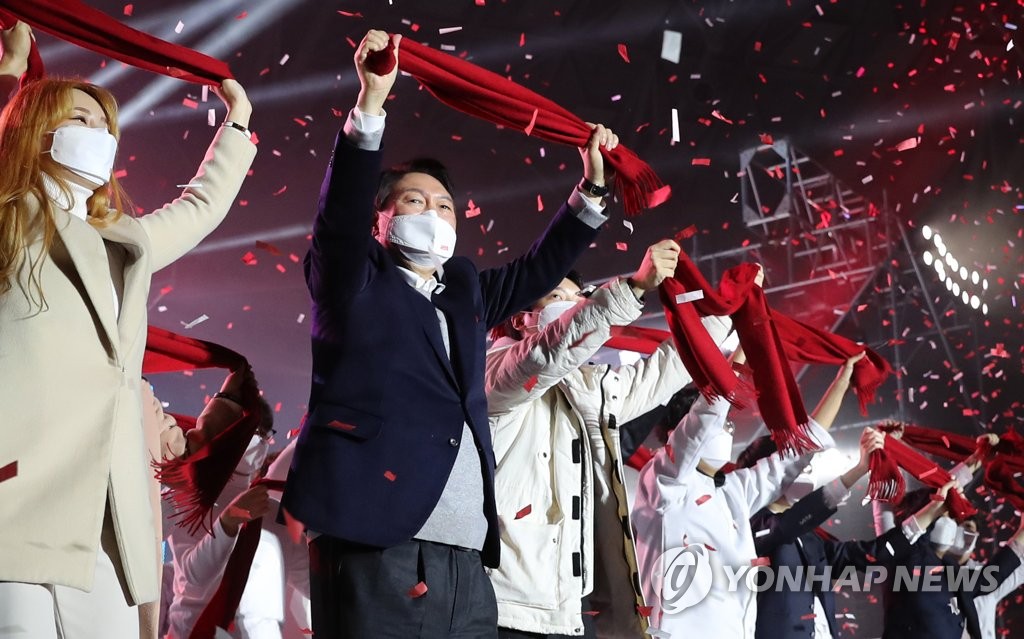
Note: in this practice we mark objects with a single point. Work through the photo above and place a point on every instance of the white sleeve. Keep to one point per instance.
(680, 456)
(885, 517)
(364, 131)
(518, 374)
(765, 482)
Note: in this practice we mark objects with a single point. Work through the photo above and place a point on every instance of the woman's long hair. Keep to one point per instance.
(34, 111)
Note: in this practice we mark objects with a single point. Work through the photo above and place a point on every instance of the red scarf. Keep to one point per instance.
(494, 98)
(196, 481)
(78, 23)
(887, 483)
(770, 340)
(35, 63)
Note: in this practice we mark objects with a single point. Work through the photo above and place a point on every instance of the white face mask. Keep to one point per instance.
(963, 544)
(717, 450)
(87, 152)
(254, 456)
(424, 239)
(552, 312)
(943, 533)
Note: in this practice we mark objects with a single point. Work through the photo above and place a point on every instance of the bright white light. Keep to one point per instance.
(963, 273)
(926, 231)
(965, 297)
(975, 301)
(984, 309)
(942, 249)
(949, 284)
(956, 288)
(928, 258)
(984, 285)
(975, 277)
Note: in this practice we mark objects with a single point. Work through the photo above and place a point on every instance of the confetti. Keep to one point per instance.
(9, 471)
(418, 590)
(702, 499)
(623, 53)
(195, 322)
(671, 45)
(523, 512)
(390, 476)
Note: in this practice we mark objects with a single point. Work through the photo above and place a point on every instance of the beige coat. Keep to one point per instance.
(70, 406)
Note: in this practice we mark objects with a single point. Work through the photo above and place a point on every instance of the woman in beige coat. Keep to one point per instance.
(76, 524)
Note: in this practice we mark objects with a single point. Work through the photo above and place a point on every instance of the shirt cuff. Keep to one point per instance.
(912, 529)
(364, 131)
(962, 474)
(820, 435)
(835, 493)
(587, 211)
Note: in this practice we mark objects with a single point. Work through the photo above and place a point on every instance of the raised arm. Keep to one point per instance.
(764, 482)
(177, 227)
(827, 409)
(16, 43)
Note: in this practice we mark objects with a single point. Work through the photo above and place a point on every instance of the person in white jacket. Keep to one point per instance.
(565, 531)
(693, 536)
(200, 558)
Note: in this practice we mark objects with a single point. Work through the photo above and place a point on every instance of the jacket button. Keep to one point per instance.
(454, 443)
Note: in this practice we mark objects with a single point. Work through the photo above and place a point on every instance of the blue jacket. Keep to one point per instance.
(792, 541)
(387, 405)
(944, 613)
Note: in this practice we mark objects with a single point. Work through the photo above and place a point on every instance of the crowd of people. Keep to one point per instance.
(459, 472)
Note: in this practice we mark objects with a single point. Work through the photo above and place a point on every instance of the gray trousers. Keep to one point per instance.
(358, 591)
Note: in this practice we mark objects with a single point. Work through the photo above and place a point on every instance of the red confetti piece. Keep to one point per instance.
(530, 383)
(622, 246)
(761, 561)
(281, 268)
(121, 173)
(702, 499)
(390, 476)
(165, 290)
(341, 425)
(686, 233)
(766, 138)
(710, 547)
(592, 613)
(9, 471)
(418, 590)
(659, 197)
(523, 512)
(351, 14)
(268, 247)
(624, 53)
(192, 104)
(292, 433)
(540, 204)
(807, 616)
(128, 9)
(945, 441)
(249, 258)
(533, 121)
(700, 162)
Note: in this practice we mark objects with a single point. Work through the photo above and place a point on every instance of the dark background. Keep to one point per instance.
(845, 80)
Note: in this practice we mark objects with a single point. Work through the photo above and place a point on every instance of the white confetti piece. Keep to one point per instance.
(190, 185)
(300, 318)
(199, 320)
(211, 117)
(671, 45)
(445, 30)
(689, 296)
(675, 126)
(628, 225)
(284, 59)
(179, 27)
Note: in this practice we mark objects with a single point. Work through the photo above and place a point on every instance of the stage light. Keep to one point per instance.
(928, 258)
(984, 309)
(963, 273)
(926, 231)
(965, 297)
(984, 285)
(955, 289)
(974, 277)
(949, 285)
(975, 301)
(942, 249)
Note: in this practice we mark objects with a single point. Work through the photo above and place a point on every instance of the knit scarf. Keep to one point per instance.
(196, 481)
(494, 98)
(76, 22)
(886, 482)
(770, 340)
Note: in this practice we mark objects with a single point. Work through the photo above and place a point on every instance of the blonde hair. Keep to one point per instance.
(34, 111)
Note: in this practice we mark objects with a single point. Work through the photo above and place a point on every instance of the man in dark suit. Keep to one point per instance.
(947, 609)
(788, 534)
(393, 474)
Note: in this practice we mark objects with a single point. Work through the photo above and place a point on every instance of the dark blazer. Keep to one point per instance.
(387, 405)
(792, 541)
(909, 615)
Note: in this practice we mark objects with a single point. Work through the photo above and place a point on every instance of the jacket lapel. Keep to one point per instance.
(136, 279)
(461, 332)
(427, 314)
(89, 256)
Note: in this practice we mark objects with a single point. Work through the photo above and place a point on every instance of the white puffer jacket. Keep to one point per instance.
(565, 529)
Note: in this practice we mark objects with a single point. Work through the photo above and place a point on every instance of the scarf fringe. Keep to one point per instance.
(795, 442)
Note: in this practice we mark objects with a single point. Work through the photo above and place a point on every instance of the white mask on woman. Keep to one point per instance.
(717, 449)
(943, 534)
(552, 312)
(86, 152)
(424, 238)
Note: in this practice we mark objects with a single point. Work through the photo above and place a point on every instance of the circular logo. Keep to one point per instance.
(686, 577)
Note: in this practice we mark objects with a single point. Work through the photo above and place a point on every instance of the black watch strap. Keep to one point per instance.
(593, 190)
